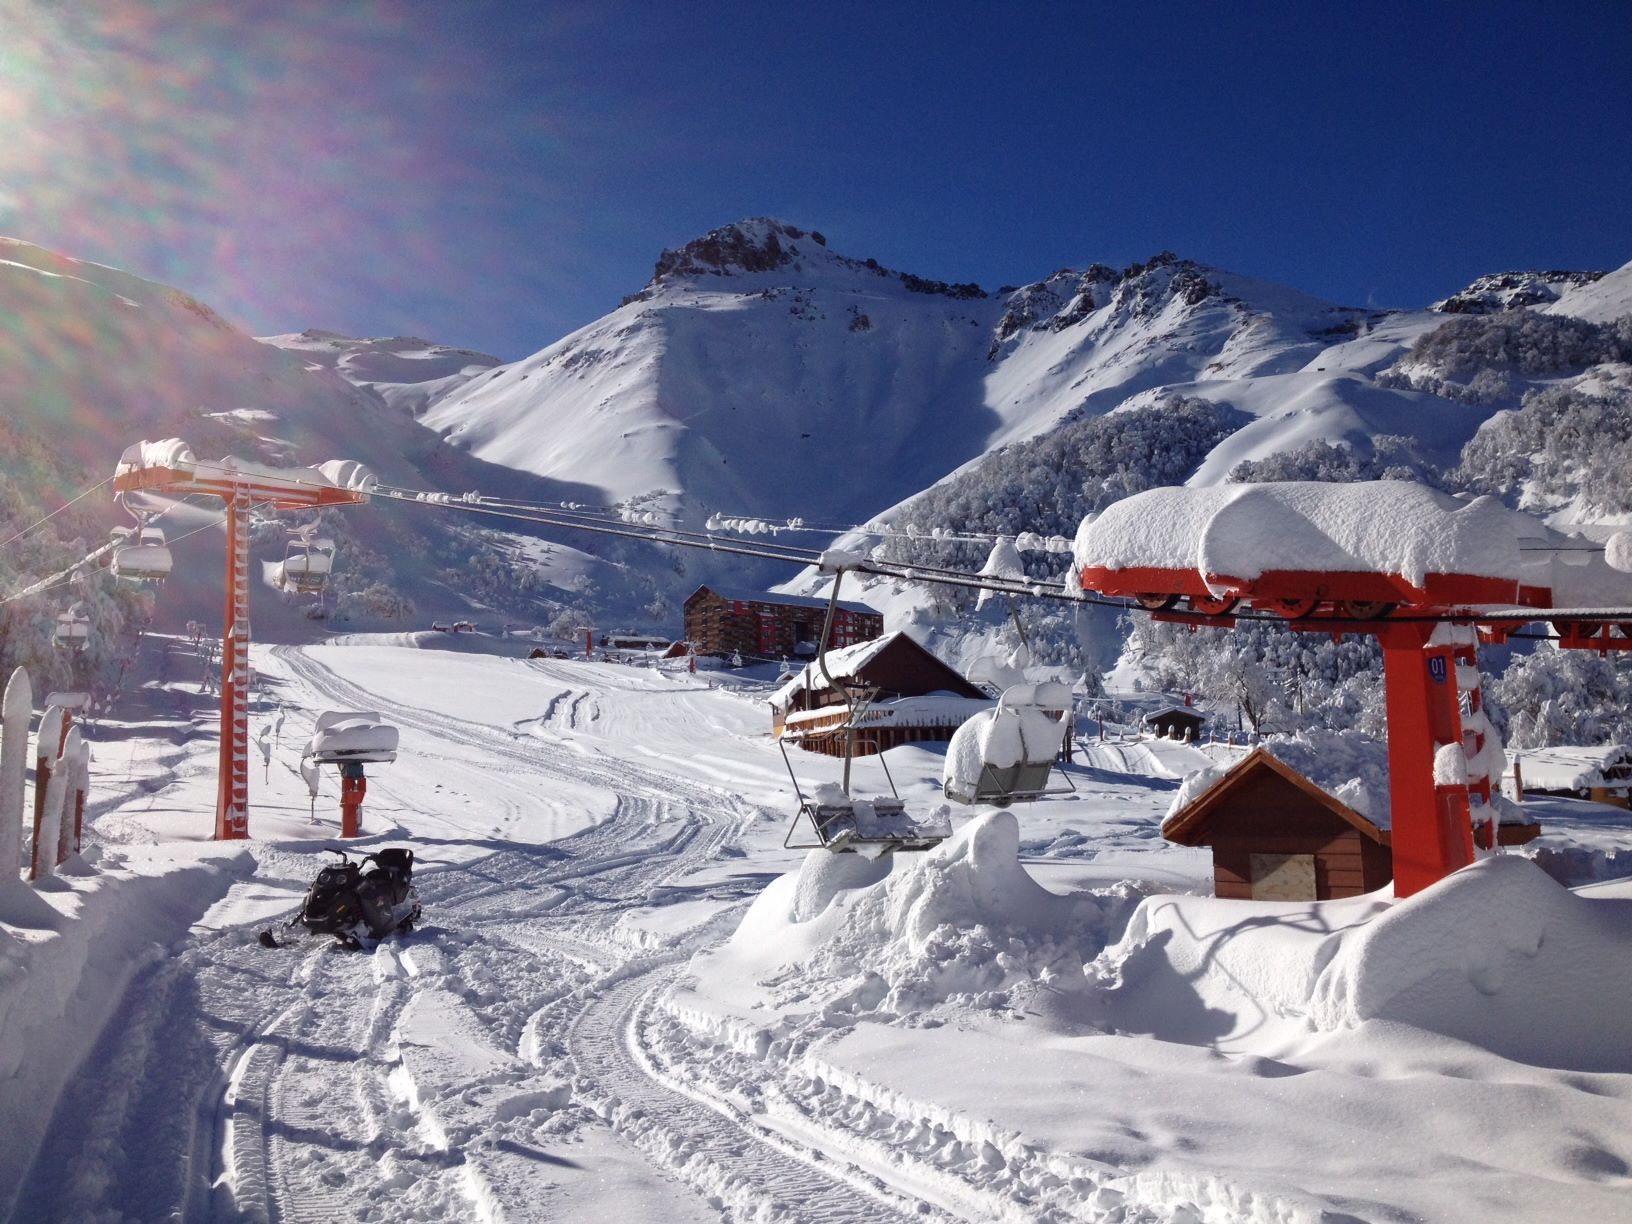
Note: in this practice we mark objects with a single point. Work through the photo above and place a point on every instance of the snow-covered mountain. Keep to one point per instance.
(759, 372)
(1513, 290)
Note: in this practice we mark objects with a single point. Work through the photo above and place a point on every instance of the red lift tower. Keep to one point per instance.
(169, 468)
(1429, 575)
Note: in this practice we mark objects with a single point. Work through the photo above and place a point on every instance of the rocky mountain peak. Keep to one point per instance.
(1513, 291)
(759, 244)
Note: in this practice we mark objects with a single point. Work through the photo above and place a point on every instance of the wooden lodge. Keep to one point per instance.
(912, 697)
(758, 624)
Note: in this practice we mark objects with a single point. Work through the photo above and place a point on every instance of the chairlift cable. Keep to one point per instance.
(55, 512)
(934, 575)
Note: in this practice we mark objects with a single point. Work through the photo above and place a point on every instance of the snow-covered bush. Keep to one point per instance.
(1562, 443)
(1523, 341)
(1278, 680)
(1393, 457)
(1046, 485)
(1565, 697)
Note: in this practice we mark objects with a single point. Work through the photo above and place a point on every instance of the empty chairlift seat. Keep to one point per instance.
(342, 736)
(306, 564)
(73, 629)
(1005, 754)
(143, 559)
(872, 826)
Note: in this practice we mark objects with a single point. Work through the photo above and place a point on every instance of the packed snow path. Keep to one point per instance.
(308, 1083)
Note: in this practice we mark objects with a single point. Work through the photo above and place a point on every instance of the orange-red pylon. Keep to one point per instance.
(170, 468)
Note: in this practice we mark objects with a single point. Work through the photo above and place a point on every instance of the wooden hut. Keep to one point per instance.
(913, 697)
(758, 624)
(1276, 836)
(1602, 774)
(1176, 722)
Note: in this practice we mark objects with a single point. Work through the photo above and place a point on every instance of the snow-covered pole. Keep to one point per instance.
(82, 796)
(48, 827)
(16, 709)
(72, 767)
(313, 778)
(47, 745)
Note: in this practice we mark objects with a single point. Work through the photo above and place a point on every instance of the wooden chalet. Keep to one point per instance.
(913, 697)
(758, 624)
(1276, 836)
(1602, 774)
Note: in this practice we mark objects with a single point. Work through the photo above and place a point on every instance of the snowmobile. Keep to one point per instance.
(357, 905)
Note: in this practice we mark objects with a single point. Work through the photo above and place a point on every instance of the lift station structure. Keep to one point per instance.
(169, 468)
(1429, 575)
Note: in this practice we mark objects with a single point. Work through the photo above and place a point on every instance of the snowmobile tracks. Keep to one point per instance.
(745, 1170)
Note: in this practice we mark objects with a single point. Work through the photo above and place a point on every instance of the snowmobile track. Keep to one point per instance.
(753, 1173)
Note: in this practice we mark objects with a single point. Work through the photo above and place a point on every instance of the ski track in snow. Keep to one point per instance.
(420, 1082)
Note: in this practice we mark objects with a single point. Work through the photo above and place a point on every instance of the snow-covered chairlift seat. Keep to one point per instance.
(1006, 754)
(73, 630)
(146, 559)
(355, 735)
(871, 827)
(306, 565)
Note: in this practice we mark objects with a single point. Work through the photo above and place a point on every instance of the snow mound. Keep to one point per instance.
(961, 924)
(1497, 955)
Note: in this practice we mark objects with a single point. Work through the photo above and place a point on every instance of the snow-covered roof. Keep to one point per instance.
(1187, 711)
(1187, 819)
(930, 710)
(1573, 768)
(841, 664)
(749, 595)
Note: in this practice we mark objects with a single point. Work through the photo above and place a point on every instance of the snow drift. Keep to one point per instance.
(1497, 955)
(963, 922)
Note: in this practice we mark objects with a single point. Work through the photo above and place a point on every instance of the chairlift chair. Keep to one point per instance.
(874, 826)
(146, 559)
(344, 736)
(307, 560)
(73, 631)
(1006, 754)
(840, 822)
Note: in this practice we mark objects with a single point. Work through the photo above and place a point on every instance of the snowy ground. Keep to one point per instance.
(627, 1001)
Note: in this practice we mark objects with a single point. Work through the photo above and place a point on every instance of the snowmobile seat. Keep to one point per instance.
(395, 858)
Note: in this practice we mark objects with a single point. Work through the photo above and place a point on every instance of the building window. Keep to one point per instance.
(1283, 877)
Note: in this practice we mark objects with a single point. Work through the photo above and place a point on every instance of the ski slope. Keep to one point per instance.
(627, 1001)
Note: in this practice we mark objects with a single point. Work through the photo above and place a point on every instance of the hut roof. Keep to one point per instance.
(1188, 825)
(1574, 768)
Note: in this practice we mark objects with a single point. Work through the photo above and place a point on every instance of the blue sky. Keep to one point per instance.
(494, 175)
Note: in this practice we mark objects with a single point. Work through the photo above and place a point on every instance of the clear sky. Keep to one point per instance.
(496, 174)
